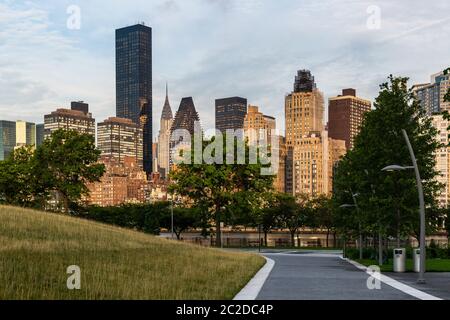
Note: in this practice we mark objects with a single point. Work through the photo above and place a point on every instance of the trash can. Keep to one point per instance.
(400, 260)
(416, 259)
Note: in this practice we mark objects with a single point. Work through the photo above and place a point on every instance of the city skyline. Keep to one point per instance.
(79, 64)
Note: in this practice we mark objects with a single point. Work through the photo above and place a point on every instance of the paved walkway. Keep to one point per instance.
(320, 276)
(437, 283)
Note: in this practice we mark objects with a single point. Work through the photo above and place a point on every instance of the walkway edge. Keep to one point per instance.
(253, 288)
(396, 284)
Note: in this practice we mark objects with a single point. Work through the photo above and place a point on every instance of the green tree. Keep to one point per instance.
(294, 215)
(389, 201)
(184, 219)
(67, 162)
(16, 177)
(221, 187)
(322, 207)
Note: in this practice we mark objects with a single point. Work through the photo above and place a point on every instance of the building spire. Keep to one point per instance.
(167, 110)
(167, 91)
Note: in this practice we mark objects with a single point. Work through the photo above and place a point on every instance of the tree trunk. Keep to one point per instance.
(265, 239)
(218, 230)
(328, 236)
(293, 238)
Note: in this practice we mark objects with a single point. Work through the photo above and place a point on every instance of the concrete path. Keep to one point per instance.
(320, 276)
(437, 283)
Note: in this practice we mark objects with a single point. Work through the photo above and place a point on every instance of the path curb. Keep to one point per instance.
(416, 293)
(253, 288)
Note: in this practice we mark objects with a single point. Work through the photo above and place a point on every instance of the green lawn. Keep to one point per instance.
(37, 247)
(433, 265)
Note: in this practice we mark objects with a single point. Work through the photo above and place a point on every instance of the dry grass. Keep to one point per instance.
(36, 248)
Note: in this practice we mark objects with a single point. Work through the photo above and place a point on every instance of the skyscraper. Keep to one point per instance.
(120, 138)
(311, 154)
(431, 95)
(186, 116)
(134, 82)
(25, 134)
(7, 138)
(183, 127)
(346, 114)
(258, 127)
(230, 113)
(304, 109)
(164, 137)
(39, 134)
(68, 119)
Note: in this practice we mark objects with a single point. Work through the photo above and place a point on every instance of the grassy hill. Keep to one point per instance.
(37, 247)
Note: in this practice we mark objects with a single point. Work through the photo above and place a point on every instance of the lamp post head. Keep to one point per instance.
(346, 206)
(394, 168)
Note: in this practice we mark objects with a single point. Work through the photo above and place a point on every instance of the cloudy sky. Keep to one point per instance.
(211, 49)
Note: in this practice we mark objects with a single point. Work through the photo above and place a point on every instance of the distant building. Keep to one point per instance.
(280, 179)
(443, 158)
(134, 82)
(164, 138)
(257, 126)
(123, 182)
(120, 138)
(185, 124)
(346, 113)
(314, 160)
(7, 138)
(431, 95)
(39, 134)
(25, 134)
(69, 119)
(79, 106)
(230, 113)
(310, 154)
(304, 109)
(155, 158)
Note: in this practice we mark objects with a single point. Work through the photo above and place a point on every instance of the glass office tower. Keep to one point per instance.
(134, 82)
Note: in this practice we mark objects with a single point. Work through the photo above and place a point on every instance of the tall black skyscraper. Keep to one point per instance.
(230, 113)
(134, 82)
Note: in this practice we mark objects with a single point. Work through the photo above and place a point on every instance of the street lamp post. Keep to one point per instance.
(344, 206)
(171, 217)
(421, 279)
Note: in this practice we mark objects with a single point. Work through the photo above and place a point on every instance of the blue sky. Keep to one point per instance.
(211, 49)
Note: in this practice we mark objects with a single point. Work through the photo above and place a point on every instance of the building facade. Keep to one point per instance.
(280, 179)
(25, 134)
(257, 126)
(304, 109)
(7, 138)
(69, 119)
(345, 116)
(230, 113)
(185, 124)
(443, 158)
(431, 95)
(134, 82)
(120, 138)
(123, 182)
(310, 152)
(164, 138)
(314, 159)
(39, 134)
